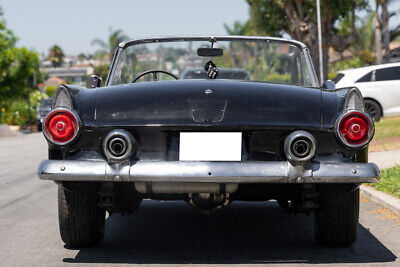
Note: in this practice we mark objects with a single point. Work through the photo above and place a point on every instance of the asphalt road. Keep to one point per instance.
(171, 232)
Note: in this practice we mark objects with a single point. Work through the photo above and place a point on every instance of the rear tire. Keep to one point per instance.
(336, 219)
(373, 109)
(81, 219)
(39, 127)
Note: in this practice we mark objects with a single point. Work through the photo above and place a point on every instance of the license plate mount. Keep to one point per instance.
(210, 146)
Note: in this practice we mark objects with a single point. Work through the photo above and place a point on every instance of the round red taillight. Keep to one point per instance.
(61, 126)
(355, 128)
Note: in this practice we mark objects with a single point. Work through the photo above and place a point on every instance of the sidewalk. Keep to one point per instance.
(7, 131)
(385, 159)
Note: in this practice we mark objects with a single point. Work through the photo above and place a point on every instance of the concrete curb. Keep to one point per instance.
(382, 198)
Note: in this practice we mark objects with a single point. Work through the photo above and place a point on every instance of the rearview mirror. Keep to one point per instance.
(94, 81)
(209, 52)
(329, 85)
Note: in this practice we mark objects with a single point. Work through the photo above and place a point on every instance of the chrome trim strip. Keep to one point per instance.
(136, 41)
(57, 92)
(112, 69)
(215, 172)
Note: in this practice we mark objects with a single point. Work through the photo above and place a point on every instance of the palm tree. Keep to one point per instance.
(237, 28)
(366, 33)
(385, 29)
(56, 56)
(108, 47)
(383, 23)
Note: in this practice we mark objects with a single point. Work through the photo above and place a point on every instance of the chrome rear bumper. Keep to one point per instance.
(209, 172)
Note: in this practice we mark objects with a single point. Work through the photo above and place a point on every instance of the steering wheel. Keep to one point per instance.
(154, 72)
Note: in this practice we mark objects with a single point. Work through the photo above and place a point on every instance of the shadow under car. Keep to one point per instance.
(245, 232)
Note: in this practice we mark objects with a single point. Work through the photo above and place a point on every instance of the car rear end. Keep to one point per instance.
(212, 161)
(269, 149)
(208, 142)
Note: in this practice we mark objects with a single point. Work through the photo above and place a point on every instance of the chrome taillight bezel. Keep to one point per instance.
(371, 129)
(61, 110)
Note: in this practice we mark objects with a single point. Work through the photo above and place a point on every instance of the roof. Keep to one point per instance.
(67, 71)
(352, 75)
(56, 79)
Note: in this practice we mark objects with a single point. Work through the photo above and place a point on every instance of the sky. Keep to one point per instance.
(73, 24)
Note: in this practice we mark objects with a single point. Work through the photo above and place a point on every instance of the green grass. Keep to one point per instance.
(389, 127)
(390, 181)
(387, 135)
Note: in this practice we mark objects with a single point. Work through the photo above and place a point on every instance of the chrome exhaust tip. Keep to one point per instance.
(118, 145)
(300, 146)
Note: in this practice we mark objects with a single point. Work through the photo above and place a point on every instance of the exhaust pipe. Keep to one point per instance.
(118, 145)
(300, 146)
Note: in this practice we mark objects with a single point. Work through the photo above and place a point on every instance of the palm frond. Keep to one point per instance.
(99, 42)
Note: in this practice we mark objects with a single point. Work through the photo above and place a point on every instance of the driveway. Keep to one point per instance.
(171, 232)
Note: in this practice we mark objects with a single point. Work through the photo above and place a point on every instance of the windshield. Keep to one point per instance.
(260, 60)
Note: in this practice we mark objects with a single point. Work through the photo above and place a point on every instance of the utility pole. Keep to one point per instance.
(321, 60)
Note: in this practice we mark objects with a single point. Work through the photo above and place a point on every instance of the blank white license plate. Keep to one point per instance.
(206, 146)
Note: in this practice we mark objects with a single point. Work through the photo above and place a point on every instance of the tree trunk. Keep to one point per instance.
(378, 43)
(385, 30)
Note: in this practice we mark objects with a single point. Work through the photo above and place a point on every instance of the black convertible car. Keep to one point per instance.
(272, 133)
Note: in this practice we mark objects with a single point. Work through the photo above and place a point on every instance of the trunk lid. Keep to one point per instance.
(208, 102)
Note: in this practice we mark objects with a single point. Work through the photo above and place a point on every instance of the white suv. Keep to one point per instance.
(379, 85)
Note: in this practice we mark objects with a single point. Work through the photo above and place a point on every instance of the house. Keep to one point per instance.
(53, 82)
(76, 75)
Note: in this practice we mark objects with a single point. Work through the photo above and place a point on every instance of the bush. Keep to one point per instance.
(362, 58)
(6, 117)
(50, 90)
(277, 78)
(331, 75)
(102, 71)
(17, 112)
(353, 62)
(36, 97)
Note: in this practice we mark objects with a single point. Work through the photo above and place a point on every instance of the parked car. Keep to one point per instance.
(41, 111)
(395, 55)
(379, 85)
(278, 135)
